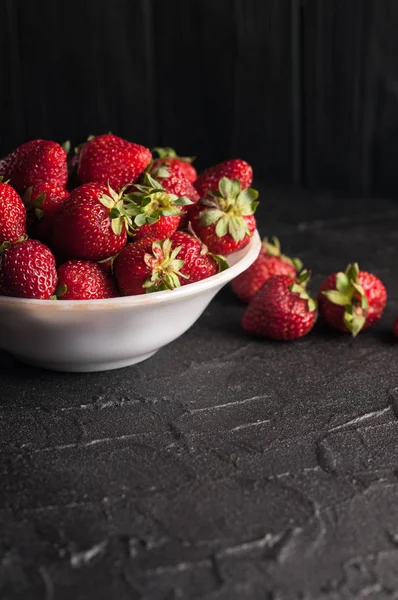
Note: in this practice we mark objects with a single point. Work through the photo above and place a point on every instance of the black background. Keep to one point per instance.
(305, 90)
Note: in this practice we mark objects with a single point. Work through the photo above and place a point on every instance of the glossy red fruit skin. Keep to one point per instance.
(395, 327)
(130, 269)
(277, 313)
(12, 215)
(161, 230)
(219, 245)
(41, 228)
(179, 185)
(85, 280)
(198, 263)
(109, 158)
(246, 285)
(34, 162)
(82, 227)
(375, 292)
(233, 169)
(28, 271)
(177, 167)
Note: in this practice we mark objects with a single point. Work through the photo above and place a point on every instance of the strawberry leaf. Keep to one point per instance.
(207, 217)
(225, 187)
(221, 262)
(165, 152)
(107, 201)
(222, 226)
(153, 182)
(296, 262)
(183, 201)
(140, 220)
(342, 283)
(237, 228)
(117, 226)
(61, 290)
(337, 297)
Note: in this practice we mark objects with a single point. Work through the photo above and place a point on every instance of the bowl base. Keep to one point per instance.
(81, 367)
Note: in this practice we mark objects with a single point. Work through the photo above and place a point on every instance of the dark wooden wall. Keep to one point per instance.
(306, 90)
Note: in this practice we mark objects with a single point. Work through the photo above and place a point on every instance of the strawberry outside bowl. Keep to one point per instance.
(100, 335)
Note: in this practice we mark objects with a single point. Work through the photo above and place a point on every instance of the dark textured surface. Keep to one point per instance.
(305, 90)
(224, 468)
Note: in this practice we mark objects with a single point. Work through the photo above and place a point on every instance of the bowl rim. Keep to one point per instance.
(251, 252)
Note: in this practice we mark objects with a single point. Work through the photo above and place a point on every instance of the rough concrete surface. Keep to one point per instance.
(224, 468)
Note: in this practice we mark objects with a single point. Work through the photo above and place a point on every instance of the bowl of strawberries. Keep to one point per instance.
(109, 255)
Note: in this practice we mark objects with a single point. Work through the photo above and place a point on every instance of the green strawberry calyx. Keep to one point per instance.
(273, 248)
(167, 152)
(149, 202)
(227, 207)
(165, 267)
(60, 290)
(299, 287)
(350, 294)
(35, 204)
(5, 245)
(119, 211)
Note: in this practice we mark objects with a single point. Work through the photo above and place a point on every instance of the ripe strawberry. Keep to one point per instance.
(43, 201)
(147, 266)
(27, 270)
(34, 162)
(84, 280)
(199, 263)
(111, 159)
(282, 309)
(232, 169)
(224, 220)
(352, 301)
(156, 213)
(91, 224)
(12, 215)
(175, 182)
(269, 263)
(169, 158)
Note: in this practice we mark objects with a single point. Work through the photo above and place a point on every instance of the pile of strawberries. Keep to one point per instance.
(281, 308)
(113, 220)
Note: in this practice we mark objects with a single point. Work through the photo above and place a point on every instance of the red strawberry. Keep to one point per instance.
(34, 162)
(352, 301)
(111, 159)
(199, 263)
(232, 169)
(176, 164)
(91, 224)
(84, 280)
(27, 270)
(395, 327)
(282, 309)
(174, 182)
(43, 202)
(147, 266)
(269, 264)
(156, 212)
(224, 220)
(12, 215)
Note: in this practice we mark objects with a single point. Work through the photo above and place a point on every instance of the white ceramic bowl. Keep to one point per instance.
(98, 335)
